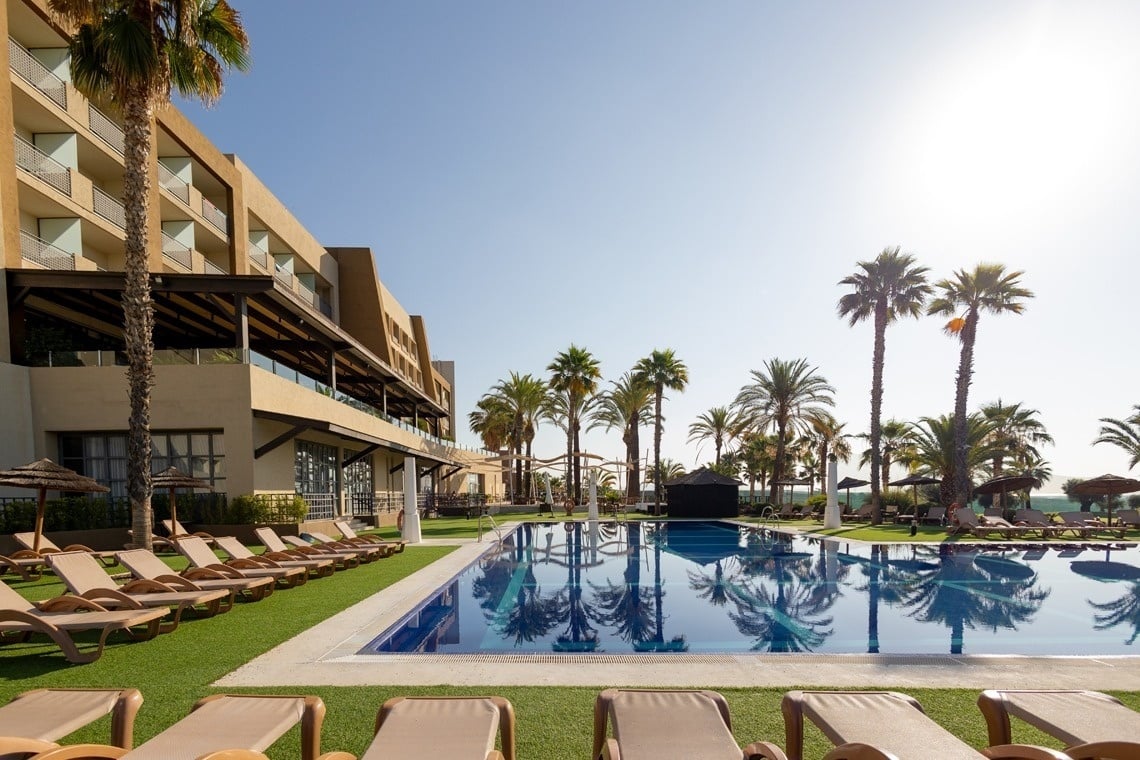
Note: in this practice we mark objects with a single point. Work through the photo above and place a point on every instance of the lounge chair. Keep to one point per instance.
(144, 565)
(275, 546)
(33, 721)
(1128, 518)
(372, 551)
(58, 618)
(1091, 724)
(351, 536)
(28, 565)
(195, 549)
(358, 553)
(667, 724)
(884, 725)
(1085, 525)
(47, 546)
(317, 568)
(969, 521)
(859, 515)
(223, 726)
(936, 515)
(1034, 518)
(85, 577)
(177, 530)
(445, 727)
(1000, 522)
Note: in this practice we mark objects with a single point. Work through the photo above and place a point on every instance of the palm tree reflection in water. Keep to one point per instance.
(580, 635)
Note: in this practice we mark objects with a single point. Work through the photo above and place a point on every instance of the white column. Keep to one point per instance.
(411, 514)
(831, 513)
(592, 512)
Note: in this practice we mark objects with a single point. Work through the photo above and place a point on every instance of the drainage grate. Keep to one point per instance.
(554, 659)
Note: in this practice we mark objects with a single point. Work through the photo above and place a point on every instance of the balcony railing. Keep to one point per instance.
(23, 63)
(259, 257)
(214, 215)
(177, 253)
(45, 254)
(283, 276)
(212, 268)
(106, 130)
(306, 293)
(322, 506)
(324, 307)
(173, 184)
(34, 161)
(108, 207)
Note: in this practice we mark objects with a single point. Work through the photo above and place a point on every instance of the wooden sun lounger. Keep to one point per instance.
(318, 568)
(47, 546)
(357, 553)
(35, 720)
(223, 726)
(1091, 724)
(28, 565)
(1085, 525)
(84, 577)
(58, 618)
(351, 536)
(685, 723)
(200, 555)
(372, 551)
(274, 545)
(177, 531)
(144, 565)
(884, 725)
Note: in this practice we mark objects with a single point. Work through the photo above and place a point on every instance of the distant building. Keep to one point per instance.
(281, 366)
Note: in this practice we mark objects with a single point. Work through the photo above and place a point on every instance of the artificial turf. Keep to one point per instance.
(175, 669)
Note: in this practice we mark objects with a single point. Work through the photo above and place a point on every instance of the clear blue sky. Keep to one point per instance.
(699, 176)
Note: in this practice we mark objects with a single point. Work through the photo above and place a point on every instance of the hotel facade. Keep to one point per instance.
(281, 366)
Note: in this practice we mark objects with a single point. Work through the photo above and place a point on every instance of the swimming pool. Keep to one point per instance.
(714, 587)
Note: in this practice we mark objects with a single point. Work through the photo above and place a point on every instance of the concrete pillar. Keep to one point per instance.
(411, 532)
(831, 513)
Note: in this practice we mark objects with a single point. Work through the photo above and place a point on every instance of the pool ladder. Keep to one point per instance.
(769, 519)
(494, 527)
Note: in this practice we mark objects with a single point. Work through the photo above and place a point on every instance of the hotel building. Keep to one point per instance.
(281, 366)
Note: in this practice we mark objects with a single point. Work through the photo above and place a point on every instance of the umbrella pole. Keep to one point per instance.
(41, 505)
(173, 513)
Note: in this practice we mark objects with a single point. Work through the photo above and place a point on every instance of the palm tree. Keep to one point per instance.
(935, 451)
(897, 448)
(575, 373)
(784, 396)
(663, 370)
(718, 424)
(1017, 433)
(132, 54)
(523, 397)
(1124, 434)
(758, 454)
(989, 288)
(626, 406)
(827, 437)
(491, 421)
(887, 289)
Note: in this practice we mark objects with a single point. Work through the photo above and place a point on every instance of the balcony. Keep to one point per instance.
(215, 216)
(35, 162)
(25, 65)
(173, 184)
(259, 257)
(283, 276)
(211, 268)
(45, 254)
(106, 130)
(108, 207)
(177, 253)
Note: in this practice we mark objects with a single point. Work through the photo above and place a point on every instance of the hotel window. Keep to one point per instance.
(103, 456)
(315, 468)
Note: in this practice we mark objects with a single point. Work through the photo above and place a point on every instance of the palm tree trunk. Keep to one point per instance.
(633, 487)
(965, 375)
(658, 392)
(138, 309)
(778, 465)
(577, 464)
(877, 361)
(569, 456)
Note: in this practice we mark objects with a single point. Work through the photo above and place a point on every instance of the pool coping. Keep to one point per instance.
(327, 655)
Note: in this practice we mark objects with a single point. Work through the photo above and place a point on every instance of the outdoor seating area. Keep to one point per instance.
(627, 723)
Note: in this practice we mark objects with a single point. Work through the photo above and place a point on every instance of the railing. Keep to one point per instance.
(259, 257)
(45, 254)
(283, 275)
(173, 184)
(214, 215)
(324, 307)
(368, 504)
(177, 253)
(212, 268)
(36, 74)
(109, 208)
(34, 161)
(106, 130)
(322, 506)
(164, 357)
(306, 293)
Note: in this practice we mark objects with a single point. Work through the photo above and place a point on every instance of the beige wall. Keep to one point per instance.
(16, 443)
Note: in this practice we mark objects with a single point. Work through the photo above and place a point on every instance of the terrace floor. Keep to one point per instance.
(327, 655)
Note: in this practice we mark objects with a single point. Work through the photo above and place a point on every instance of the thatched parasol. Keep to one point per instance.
(45, 475)
(1106, 485)
(848, 483)
(916, 481)
(173, 478)
(1003, 484)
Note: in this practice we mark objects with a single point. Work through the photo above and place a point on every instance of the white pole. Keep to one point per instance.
(412, 532)
(831, 514)
(592, 513)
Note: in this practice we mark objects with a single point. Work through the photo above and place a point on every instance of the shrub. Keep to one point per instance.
(254, 509)
(816, 501)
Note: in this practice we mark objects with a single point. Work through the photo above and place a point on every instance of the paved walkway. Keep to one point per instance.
(327, 655)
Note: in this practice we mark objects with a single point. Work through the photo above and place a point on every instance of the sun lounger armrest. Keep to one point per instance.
(203, 574)
(858, 751)
(225, 571)
(16, 746)
(78, 548)
(70, 603)
(118, 598)
(276, 557)
(1119, 750)
(26, 554)
(244, 564)
(178, 583)
(764, 751)
(144, 586)
(337, 756)
(1024, 752)
(83, 752)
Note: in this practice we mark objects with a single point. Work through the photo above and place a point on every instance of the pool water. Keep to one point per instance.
(713, 587)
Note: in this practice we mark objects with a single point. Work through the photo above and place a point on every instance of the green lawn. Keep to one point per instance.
(174, 670)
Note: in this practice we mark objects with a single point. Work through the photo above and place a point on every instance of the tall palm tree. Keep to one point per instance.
(574, 372)
(758, 454)
(1124, 434)
(989, 288)
(663, 370)
(719, 424)
(935, 450)
(783, 396)
(895, 440)
(886, 289)
(827, 437)
(523, 396)
(626, 406)
(491, 420)
(132, 54)
(1016, 435)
